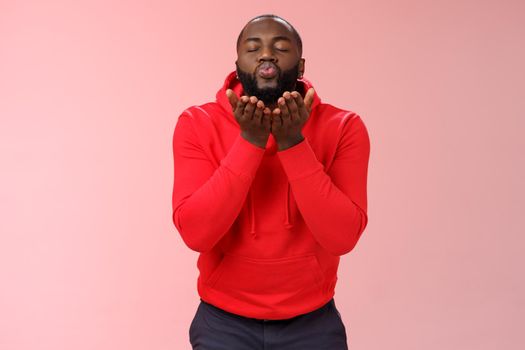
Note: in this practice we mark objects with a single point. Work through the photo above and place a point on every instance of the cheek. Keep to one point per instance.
(288, 64)
(245, 64)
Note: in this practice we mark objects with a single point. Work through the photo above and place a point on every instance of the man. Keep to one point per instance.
(270, 188)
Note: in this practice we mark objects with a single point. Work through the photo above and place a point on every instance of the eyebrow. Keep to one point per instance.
(275, 38)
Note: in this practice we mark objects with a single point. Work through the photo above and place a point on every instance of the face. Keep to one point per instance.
(268, 60)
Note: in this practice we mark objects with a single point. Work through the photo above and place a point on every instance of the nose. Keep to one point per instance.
(267, 54)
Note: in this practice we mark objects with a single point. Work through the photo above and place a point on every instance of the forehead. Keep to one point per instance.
(267, 27)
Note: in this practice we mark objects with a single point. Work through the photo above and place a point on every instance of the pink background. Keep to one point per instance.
(90, 92)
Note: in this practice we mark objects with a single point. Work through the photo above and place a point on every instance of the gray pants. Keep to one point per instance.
(213, 328)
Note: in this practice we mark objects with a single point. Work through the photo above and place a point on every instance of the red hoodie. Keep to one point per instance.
(270, 225)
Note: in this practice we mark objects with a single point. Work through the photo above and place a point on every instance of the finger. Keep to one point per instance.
(241, 105)
(267, 118)
(309, 98)
(250, 107)
(298, 99)
(232, 98)
(259, 106)
(292, 106)
(303, 111)
(285, 114)
(276, 118)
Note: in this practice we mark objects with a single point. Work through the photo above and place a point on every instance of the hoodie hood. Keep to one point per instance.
(231, 82)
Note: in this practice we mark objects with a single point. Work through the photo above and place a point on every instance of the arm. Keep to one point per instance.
(333, 204)
(207, 200)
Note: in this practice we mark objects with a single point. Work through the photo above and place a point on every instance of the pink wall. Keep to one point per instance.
(90, 92)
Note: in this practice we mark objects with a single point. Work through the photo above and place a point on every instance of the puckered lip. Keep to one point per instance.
(267, 64)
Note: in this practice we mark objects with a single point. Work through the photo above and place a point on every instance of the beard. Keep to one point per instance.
(286, 81)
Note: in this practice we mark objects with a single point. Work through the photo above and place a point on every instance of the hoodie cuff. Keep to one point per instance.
(299, 161)
(243, 159)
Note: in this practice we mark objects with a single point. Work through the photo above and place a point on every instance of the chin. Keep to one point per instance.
(267, 83)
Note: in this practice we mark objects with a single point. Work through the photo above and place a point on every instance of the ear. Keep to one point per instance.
(236, 65)
(301, 67)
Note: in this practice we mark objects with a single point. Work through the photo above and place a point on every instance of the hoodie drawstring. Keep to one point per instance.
(287, 223)
(252, 209)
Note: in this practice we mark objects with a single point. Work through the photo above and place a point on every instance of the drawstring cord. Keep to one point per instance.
(252, 209)
(287, 223)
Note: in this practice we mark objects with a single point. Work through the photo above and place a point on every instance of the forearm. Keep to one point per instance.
(334, 220)
(333, 204)
(204, 215)
(203, 218)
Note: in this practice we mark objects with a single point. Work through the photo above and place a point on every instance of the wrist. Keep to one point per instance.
(254, 141)
(290, 142)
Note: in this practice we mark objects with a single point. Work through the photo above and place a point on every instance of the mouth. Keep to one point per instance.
(267, 70)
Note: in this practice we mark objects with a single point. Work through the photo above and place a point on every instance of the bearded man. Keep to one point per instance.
(270, 187)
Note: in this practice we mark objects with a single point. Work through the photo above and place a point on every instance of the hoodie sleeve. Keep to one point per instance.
(206, 200)
(333, 204)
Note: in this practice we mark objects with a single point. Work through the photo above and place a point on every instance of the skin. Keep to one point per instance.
(274, 41)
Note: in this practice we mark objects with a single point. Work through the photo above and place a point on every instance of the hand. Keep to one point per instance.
(290, 116)
(253, 117)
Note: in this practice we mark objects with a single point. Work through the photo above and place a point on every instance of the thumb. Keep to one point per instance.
(309, 98)
(232, 97)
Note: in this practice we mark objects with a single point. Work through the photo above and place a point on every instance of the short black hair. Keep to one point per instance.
(269, 15)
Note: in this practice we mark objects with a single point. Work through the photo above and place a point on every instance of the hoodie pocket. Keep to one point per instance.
(290, 275)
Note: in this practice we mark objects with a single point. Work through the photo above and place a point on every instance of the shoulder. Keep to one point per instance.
(343, 118)
(200, 117)
(201, 111)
